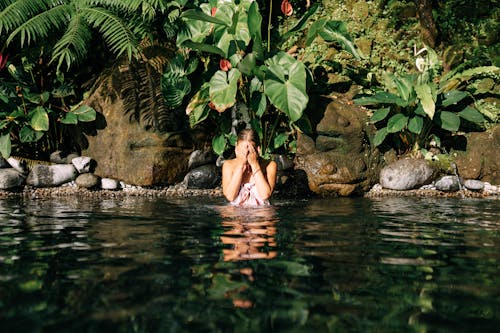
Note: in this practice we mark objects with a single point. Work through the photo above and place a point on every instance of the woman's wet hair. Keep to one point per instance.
(249, 134)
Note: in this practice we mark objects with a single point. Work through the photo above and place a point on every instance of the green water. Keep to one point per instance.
(198, 265)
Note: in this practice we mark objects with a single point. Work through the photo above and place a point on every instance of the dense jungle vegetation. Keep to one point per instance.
(426, 69)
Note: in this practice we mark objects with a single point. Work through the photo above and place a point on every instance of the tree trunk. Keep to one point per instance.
(427, 23)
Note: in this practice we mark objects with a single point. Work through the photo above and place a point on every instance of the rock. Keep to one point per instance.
(109, 184)
(203, 177)
(292, 184)
(59, 157)
(4, 163)
(82, 164)
(448, 184)
(123, 141)
(220, 161)
(10, 178)
(87, 180)
(284, 162)
(406, 174)
(19, 165)
(201, 157)
(51, 175)
(491, 189)
(474, 185)
(340, 161)
(480, 158)
(70, 158)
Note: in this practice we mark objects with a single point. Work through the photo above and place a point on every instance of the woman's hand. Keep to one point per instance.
(241, 152)
(253, 158)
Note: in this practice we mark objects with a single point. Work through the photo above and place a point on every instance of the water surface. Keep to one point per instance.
(198, 265)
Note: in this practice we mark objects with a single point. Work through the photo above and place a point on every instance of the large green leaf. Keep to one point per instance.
(416, 124)
(472, 115)
(424, 93)
(453, 97)
(255, 21)
(285, 85)
(380, 114)
(69, 119)
(198, 15)
(449, 121)
(5, 145)
(219, 144)
(380, 97)
(223, 88)
(301, 24)
(336, 31)
(39, 119)
(404, 85)
(27, 134)
(85, 113)
(397, 123)
(380, 136)
(203, 47)
(237, 35)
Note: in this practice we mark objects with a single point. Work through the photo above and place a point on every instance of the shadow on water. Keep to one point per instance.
(191, 265)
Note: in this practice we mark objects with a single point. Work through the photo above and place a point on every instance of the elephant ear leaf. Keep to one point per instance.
(223, 88)
(285, 85)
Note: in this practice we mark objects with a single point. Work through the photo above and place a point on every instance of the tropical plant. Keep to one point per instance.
(245, 73)
(415, 108)
(67, 27)
(37, 118)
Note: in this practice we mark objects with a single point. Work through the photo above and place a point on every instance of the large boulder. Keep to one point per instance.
(406, 174)
(203, 177)
(10, 178)
(339, 161)
(129, 146)
(481, 157)
(51, 175)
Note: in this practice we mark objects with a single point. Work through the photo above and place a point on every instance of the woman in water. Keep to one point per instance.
(248, 180)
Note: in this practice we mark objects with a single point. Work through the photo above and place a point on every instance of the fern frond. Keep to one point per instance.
(5, 3)
(41, 25)
(147, 8)
(18, 12)
(117, 35)
(73, 45)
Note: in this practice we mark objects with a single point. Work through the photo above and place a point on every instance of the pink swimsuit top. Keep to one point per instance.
(248, 196)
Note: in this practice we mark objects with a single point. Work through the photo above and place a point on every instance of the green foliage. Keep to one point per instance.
(240, 68)
(67, 26)
(34, 117)
(416, 108)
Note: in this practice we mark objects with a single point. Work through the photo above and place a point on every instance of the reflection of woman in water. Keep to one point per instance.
(247, 179)
(249, 234)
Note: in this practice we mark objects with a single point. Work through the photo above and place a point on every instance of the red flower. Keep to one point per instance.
(3, 60)
(225, 65)
(213, 10)
(286, 8)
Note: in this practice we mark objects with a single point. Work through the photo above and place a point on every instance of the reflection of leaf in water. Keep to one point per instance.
(222, 285)
(31, 285)
(291, 268)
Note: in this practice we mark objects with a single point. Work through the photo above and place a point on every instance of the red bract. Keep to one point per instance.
(3, 60)
(286, 8)
(225, 65)
(213, 10)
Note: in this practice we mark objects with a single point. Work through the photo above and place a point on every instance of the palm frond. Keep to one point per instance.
(140, 89)
(115, 31)
(73, 45)
(41, 25)
(18, 12)
(147, 8)
(5, 3)
(156, 54)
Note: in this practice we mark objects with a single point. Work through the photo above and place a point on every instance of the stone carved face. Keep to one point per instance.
(338, 161)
